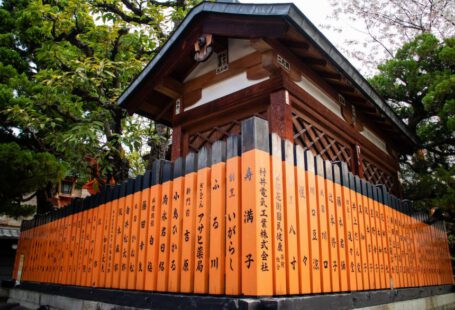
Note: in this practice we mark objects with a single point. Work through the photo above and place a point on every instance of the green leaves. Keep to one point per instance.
(62, 67)
(419, 83)
(23, 172)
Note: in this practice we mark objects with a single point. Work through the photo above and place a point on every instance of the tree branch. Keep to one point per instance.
(89, 97)
(132, 7)
(378, 41)
(173, 4)
(115, 49)
(125, 17)
(449, 141)
(71, 37)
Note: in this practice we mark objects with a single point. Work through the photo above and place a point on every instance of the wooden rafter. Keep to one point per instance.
(170, 87)
(296, 44)
(313, 61)
(329, 75)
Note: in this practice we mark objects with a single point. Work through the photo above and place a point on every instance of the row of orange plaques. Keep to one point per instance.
(253, 215)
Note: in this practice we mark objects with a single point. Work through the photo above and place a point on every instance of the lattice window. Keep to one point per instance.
(376, 175)
(319, 142)
(200, 139)
(204, 138)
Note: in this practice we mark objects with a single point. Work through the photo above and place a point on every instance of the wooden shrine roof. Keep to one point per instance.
(283, 26)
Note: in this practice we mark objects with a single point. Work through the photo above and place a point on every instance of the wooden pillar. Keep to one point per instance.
(279, 115)
(358, 164)
(176, 143)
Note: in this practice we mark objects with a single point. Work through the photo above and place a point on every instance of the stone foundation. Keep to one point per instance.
(33, 295)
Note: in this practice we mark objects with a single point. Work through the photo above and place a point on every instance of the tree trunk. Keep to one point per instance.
(158, 150)
(120, 163)
(43, 204)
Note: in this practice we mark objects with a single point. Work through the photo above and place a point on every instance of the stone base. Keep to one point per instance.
(33, 295)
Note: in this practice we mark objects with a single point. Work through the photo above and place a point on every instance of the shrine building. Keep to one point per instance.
(227, 62)
(282, 190)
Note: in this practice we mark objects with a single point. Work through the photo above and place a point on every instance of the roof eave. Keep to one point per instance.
(294, 16)
(205, 7)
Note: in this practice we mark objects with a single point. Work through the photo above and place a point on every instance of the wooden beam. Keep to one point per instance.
(371, 112)
(154, 104)
(237, 102)
(344, 88)
(164, 111)
(271, 64)
(260, 45)
(329, 75)
(355, 99)
(190, 98)
(256, 73)
(268, 61)
(220, 44)
(279, 115)
(305, 69)
(244, 26)
(296, 44)
(176, 143)
(170, 87)
(210, 78)
(341, 86)
(164, 68)
(314, 61)
(367, 109)
(387, 129)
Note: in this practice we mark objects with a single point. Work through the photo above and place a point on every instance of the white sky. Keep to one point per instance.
(317, 12)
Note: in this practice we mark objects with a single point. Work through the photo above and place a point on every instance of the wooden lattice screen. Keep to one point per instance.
(309, 136)
(376, 175)
(320, 142)
(206, 137)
